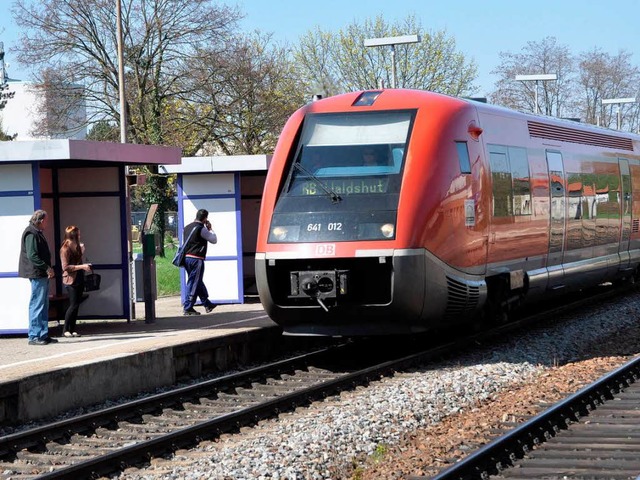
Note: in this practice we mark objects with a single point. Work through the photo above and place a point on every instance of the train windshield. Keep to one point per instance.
(347, 170)
(350, 154)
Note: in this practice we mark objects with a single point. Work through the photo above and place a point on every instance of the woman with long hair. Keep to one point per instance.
(73, 269)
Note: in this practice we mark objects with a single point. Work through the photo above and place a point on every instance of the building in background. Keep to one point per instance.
(34, 112)
(44, 111)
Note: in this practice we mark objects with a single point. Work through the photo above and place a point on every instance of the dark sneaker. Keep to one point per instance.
(51, 340)
(37, 341)
(209, 308)
(189, 312)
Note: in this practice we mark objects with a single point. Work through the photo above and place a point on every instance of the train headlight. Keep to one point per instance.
(284, 233)
(388, 230)
(280, 233)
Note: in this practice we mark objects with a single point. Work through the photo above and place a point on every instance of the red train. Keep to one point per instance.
(398, 211)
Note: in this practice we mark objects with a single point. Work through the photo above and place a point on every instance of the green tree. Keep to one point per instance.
(5, 96)
(4, 137)
(337, 62)
(104, 131)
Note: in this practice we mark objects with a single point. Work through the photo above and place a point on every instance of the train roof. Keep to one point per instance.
(408, 98)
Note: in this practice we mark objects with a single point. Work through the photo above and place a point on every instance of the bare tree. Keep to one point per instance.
(60, 107)
(257, 89)
(336, 62)
(76, 39)
(602, 77)
(554, 97)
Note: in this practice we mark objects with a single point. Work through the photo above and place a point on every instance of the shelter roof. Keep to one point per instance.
(85, 150)
(219, 163)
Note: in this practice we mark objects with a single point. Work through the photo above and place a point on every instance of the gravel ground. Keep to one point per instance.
(418, 422)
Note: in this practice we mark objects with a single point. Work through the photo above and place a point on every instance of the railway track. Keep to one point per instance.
(107, 441)
(592, 434)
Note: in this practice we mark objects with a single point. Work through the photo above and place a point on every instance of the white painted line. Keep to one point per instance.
(125, 342)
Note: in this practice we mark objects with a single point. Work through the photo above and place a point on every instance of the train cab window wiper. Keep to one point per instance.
(335, 198)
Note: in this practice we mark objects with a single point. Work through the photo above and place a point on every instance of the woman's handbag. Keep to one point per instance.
(92, 282)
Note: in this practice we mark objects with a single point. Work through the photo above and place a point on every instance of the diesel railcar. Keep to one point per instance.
(468, 211)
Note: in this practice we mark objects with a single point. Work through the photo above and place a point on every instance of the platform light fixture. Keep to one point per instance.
(618, 102)
(542, 77)
(392, 42)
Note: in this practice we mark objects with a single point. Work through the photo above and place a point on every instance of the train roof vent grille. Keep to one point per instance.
(461, 298)
(573, 135)
(635, 226)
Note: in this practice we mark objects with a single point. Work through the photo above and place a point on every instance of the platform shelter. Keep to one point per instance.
(77, 182)
(230, 188)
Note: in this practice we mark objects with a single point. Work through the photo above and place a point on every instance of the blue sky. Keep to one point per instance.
(481, 29)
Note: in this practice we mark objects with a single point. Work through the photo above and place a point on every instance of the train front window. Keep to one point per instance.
(344, 180)
(350, 154)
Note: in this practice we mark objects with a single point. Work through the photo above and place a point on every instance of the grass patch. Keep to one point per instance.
(167, 274)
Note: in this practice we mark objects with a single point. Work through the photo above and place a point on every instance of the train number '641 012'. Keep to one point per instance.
(319, 227)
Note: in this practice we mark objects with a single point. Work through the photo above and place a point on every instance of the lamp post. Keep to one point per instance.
(618, 102)
(543, 77)
(392, 41)
(123, 112)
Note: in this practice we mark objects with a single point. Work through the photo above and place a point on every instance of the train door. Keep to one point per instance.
(625, 201)
(557, 216)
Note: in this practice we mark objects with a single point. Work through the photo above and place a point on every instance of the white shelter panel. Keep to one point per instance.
(98, 219)
(107, 301)
(189, 165)
(10, 241)
(221, 279)
(16, 177)
(219, 184)
(10, 206)
(103, 179)
(15, 304)
(222, 215)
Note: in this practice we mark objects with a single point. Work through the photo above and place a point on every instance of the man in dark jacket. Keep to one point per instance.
(35, 264)
(195, 255)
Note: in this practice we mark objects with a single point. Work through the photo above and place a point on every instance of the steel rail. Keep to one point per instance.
(142, 451)
(504, 451)
(53, 431)
(232, 421)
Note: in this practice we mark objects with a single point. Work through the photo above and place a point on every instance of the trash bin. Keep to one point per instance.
(138, 275)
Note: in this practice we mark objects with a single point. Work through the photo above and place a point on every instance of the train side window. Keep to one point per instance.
(521, 181)
(463, 157)
(502, 184)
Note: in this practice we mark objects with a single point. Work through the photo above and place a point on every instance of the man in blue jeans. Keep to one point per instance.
(35, 264)
(198, 235)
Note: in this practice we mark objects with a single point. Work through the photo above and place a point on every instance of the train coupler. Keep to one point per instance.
(319, 285)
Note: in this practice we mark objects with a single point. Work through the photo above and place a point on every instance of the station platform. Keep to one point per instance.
(115, 358)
